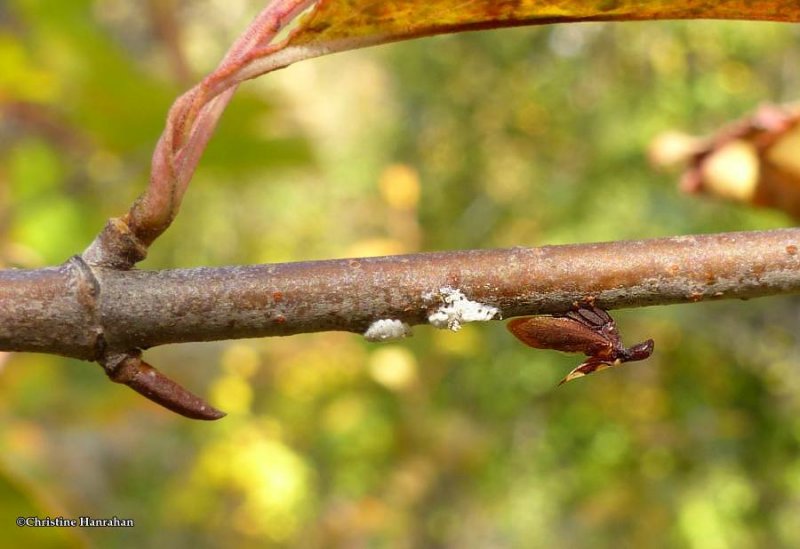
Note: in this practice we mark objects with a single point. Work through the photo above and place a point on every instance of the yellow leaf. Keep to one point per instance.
(367, 21)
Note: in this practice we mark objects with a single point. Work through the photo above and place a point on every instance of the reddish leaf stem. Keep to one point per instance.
(191, 122)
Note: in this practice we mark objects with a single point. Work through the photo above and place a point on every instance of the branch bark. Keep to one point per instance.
(90, 312)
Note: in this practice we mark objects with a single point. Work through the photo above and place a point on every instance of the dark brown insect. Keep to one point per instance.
(586, 329)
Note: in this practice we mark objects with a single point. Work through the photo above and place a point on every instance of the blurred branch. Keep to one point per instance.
(167, 27)
(45, 121)
(88, 313)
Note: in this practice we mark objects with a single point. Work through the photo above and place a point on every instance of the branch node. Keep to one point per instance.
(116, 247)
(87, 292)
(129, 369)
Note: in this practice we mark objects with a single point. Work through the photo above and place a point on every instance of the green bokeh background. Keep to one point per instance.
(517, 137)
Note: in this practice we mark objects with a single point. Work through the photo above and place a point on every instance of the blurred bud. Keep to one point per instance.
(753, 161)
(732, 172)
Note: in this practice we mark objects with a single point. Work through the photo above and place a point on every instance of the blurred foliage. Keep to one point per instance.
(516, 137)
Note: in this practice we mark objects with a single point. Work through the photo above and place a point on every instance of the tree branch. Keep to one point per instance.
(84, 312)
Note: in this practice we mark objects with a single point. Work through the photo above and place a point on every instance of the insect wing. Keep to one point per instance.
(559, 333)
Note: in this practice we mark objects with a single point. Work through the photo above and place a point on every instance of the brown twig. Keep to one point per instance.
(65, 311)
